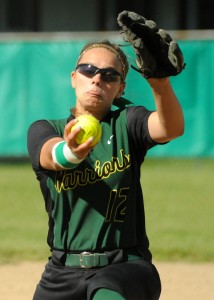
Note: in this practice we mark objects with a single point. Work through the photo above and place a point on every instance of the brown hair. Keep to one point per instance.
(111, 47)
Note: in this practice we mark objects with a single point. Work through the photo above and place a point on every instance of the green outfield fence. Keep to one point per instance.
(35, 84)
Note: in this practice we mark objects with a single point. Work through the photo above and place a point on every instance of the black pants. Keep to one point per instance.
(134, 280)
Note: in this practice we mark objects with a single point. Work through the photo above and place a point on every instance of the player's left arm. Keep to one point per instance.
(158, 57)
(167, 122)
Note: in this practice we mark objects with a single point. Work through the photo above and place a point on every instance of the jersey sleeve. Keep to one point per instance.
(137, 124)
(39, 132)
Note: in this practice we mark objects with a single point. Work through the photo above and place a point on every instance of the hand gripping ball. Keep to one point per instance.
(90, 126)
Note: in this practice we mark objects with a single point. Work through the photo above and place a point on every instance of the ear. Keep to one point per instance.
(121, 90)
(73, 79)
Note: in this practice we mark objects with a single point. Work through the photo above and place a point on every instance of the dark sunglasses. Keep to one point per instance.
(107, 75)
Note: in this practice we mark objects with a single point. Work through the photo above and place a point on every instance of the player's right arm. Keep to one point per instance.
(42, 138)
(46, 159)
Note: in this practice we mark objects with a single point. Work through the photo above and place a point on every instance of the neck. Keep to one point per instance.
(97, 114)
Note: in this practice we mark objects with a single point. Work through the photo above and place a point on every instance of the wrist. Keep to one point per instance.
(160, 86)
(158, 82)
(63, 156)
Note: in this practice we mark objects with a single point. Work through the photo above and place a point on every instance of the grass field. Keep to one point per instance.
(178, 201)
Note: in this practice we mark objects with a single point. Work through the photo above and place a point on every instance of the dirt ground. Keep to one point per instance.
(180, 281)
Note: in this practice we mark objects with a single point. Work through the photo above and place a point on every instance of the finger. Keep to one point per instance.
(67, 130)
(69, 125)
(83, 149)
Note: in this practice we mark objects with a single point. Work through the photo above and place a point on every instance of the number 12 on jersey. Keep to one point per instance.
(117, 205)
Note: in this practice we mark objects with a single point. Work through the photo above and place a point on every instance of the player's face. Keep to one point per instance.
(96, 89)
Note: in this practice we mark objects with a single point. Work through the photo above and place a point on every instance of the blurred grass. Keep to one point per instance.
(178, 202)
(179, 208)
(23, 220)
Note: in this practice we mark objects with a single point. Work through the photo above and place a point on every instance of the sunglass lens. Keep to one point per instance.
(87, 70)
(109, 76)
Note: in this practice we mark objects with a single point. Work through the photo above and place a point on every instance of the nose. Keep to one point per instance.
(96, 79)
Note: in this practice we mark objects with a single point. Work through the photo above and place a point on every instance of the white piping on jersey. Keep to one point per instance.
(109, 141)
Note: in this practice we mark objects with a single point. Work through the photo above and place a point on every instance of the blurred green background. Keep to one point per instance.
(35, 84)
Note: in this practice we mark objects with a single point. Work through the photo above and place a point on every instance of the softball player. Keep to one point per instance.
(93, 197)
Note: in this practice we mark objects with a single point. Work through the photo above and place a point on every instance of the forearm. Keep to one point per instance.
(46, 159)
(167, 122)
(64, 153)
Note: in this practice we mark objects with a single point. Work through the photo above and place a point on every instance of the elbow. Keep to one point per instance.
(175, 133)
(177, 127)
(181, 129)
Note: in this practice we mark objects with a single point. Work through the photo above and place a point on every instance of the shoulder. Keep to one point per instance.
(137, 113)
(40, 126)
(131, 115)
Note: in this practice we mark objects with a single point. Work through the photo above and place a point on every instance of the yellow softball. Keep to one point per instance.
(90, 126)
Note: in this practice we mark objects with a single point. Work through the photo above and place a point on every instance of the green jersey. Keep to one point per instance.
(97, 205)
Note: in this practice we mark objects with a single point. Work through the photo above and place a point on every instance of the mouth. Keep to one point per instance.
(94, 93)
